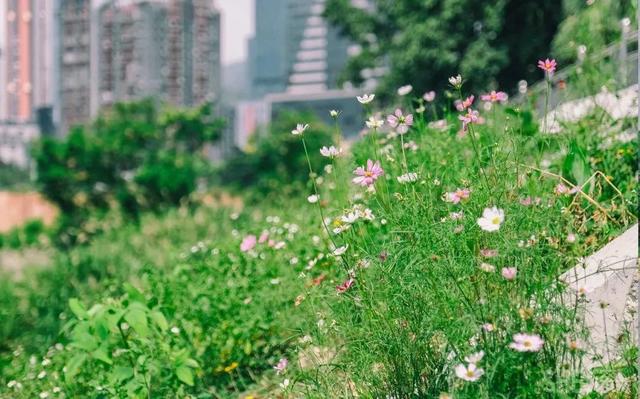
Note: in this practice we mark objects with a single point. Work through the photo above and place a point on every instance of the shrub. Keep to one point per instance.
(275, 158)
(135, 156)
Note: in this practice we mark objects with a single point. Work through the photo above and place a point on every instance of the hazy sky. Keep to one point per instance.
(237, 27)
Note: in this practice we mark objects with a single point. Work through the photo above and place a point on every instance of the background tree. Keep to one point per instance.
(274, 161)
(134, 157)
(594, 24)
(423, 42)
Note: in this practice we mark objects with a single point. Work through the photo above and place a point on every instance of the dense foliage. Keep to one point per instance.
(135, 156)
(13, 178)
(592, 24)
(424, 42)
(422, 262)
(373, 291)
(274, 159)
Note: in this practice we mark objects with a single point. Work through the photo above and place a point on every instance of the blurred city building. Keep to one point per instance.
(75, 103)
(61, 60)
(167, 49)
(27, 59)
(27, 79)
(14, 143)
(294, 49)
(296, 59)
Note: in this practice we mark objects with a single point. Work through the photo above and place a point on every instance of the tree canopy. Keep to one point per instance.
(423, 42)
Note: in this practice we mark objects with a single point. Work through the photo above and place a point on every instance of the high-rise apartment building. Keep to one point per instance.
(27, 58)
(294, 49)
(167, 49)
(74, 67)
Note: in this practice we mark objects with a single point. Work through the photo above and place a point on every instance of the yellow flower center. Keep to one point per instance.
(368, 173)
(527, 344)
(469, 373)
(495, 220)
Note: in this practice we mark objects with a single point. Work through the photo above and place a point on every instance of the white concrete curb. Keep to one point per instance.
(607, 281)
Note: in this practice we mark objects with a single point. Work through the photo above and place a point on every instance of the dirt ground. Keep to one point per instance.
(17, 208)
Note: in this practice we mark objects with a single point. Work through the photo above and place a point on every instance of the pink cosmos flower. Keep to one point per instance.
(400, 122)
(456, 196)
(509, 273)
(526, 201)
(461, 105)
(488, 253)
(281, 367)
(429, 96)
(526, 342)
(495, 96)
(562, 189)
(549, 66)
(470, 117)
(467, 102)
(488, 327)
(367, 176)
(248, 243)
(263, 237)
(344, 287)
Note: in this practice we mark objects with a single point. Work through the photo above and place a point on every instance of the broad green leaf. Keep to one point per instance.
(185, 375)
(81, 338)
(78, 309)
(191, 363)
(73, 365)
(137, 319)
(160, 320)
(121, 373)
(102, 355)
(134, 294)
(576, 165)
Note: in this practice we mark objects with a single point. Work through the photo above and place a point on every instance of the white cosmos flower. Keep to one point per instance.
(407, 178)
(350, 217)
(455, 81)
(469, 373)
(366, 98)
(374, 123)
(474, 358)
(330, 152)
(340, 250)
(333, 113)
(404, 90)
(284, 384)
(300, 128)
(367, 214)
(491, 219)
(487, 267)
(341, 228)
(526, 343)
(313, 198)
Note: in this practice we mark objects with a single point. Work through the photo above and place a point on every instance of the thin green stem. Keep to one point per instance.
(315, 190)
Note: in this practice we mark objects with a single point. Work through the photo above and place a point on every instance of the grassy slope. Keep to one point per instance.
(410, 317)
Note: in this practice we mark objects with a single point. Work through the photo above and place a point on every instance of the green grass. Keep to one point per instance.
(413, 313)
